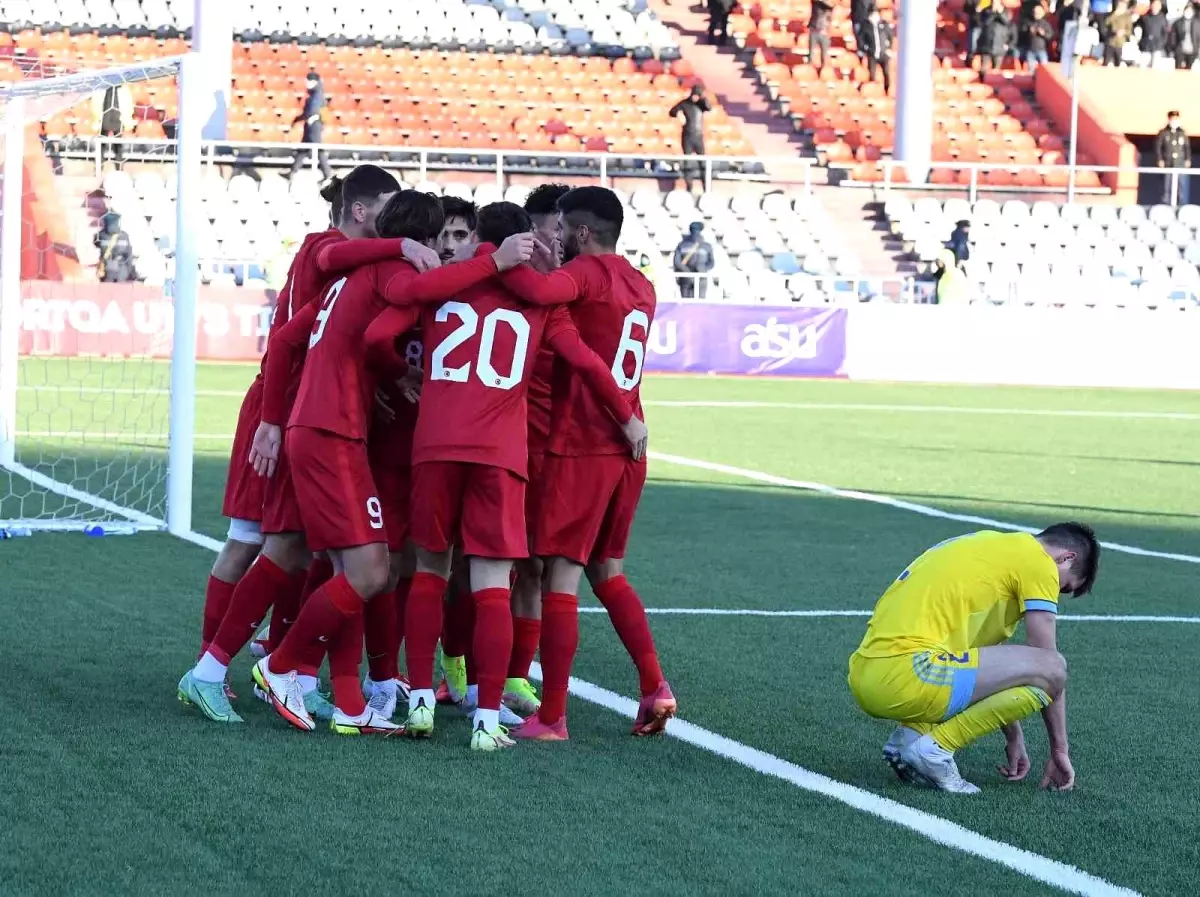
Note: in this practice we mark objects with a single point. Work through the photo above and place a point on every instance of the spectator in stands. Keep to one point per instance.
(818, 32)
(1185, 38)
(951, 281)
(1067, 12)
(1036, 35)
(860, 11)
(693, 256)
(995, 38)
(314, 127)
(116, 252)
(692, 108)
(718, 20)
(877, 44)
(1153, 25)
(1117, 30)
(114, 108)
(974, 10)
(960, 241)
(1173, 149)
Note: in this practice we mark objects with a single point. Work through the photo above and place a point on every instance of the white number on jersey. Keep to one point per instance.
(485, 370)
(631, 346)
(374, 513)
(414, 354)
(331, 299)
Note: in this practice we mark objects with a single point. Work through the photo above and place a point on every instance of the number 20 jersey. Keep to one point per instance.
(613, 312)
(479, 352)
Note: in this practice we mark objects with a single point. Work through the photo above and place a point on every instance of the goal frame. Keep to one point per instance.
(190, 77)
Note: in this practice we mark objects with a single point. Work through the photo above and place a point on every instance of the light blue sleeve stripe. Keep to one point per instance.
(1040, 604)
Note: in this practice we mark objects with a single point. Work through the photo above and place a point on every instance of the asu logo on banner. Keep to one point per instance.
(781, 342)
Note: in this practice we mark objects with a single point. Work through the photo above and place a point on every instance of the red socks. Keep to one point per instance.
(320, 571)
(629, 620)
(345, 656)
(402, 588)
(216, 602)
(492, 643)
(458, 626)
(319, 622)
(382, 637)
(264, 583)
(560, 640)
(422, 627)
(526, 633)
(285, 609)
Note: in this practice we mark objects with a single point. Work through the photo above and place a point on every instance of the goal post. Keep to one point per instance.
(98, 287)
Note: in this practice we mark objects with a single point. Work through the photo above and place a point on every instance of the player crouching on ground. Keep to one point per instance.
(933, 658)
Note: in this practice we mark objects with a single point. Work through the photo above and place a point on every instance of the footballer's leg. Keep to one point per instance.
(527, 630)
(458, 627)
(422, 629)
(384, 686)
(231, 565)
(559, 642)
(491, 648)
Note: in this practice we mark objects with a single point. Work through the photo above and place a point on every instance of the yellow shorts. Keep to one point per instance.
(928, 686)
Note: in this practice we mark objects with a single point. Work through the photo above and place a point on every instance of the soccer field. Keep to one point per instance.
(776, 513)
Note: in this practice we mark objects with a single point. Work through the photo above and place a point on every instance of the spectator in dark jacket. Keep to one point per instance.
(1184, 40)
(1068, 11)
(1173, 149)
(691, 139)
(818, 32)
(693, 256)
(859, 11)
(116, 252)
(718, 20)
(1116, 33)
(995, 38)
(876, 45)
(1154, 26)
(314, 128)
(1036, 35)
(960, 241)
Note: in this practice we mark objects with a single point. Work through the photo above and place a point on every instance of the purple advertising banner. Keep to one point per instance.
(706, 338)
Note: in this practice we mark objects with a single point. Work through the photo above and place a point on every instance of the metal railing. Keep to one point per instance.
(799, 288)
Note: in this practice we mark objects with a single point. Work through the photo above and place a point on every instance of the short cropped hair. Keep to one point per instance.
(543, 199)
(453, 207)
(500, 220)
(596, 208)
(412, 214)
(1081, 539)
(332, 194)
(366, 183)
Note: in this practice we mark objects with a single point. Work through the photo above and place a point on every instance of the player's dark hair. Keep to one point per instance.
(500, 220)
(412, 214)
(543, 199)
(596, 208)
(453, 207)
(332, 194)
(1081, 539)
(366, 183)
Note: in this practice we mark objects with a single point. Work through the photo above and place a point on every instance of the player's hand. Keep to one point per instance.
(1059, 774)
(421, 256)
(1017, 765)
(544, 258)
(513, 251)
(383, 407)
(637, 436)
(264, 450)
(410, 384)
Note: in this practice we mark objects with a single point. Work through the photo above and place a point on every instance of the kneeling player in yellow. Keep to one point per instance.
(933, 659)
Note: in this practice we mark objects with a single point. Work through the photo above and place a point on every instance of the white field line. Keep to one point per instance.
(752, 612)
(931, 409)
(129, 391)
(941, 831)
(924, 510)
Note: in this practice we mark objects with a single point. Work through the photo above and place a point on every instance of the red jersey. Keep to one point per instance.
(612, 306)
(481, 350)
(391, 440)
(335, 389)
(540, 401)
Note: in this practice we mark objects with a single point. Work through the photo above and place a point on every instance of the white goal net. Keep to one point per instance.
(93, 280)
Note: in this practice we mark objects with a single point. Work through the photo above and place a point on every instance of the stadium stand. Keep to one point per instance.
(850, 120)
(1049, 253)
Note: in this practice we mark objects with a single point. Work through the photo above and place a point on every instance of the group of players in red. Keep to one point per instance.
(445, 435)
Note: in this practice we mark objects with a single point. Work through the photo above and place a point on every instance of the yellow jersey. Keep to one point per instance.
(966, 592)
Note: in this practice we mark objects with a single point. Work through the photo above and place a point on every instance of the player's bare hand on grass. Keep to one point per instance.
(513, 251)
(410, 384)
(264, 450)
(637, 436)
(422, 257)
(1059, 774)
(1017, 765)
(383, 406)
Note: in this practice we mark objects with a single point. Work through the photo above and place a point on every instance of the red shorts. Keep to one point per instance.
(243, 487)
(476, 506)
(537, 461)
(339, 505)
(281, 512)
(395, 487)
(587, 505)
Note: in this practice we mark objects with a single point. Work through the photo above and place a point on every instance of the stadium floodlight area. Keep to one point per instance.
(96, 419)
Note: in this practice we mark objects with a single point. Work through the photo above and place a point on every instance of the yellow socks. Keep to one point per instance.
(988, 715)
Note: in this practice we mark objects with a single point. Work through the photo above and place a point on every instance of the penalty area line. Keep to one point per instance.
(754, 612)
(936, 829)
(925, 510)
